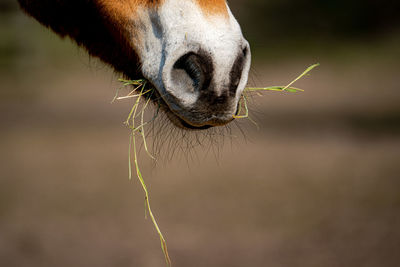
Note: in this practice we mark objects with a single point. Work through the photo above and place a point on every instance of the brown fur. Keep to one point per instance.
(213, 7)
(102, 26)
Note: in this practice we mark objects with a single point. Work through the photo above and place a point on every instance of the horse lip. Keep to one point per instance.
(171, 108)
(185, 123)
(201, 126)
(192, 127)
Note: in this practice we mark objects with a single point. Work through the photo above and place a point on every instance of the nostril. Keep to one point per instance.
(197, 68)
(237, 71)
(245, 51)
(191, 65)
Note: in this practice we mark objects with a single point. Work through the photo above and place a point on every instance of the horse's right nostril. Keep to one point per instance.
(237, 71)
(197, 67)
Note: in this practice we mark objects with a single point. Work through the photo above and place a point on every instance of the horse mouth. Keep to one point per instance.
(179, 122)
(186, 125)
(182, 122)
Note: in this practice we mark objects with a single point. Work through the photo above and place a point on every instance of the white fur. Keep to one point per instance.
(178, 27)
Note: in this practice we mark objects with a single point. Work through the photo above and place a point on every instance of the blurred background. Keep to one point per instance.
(316, 185)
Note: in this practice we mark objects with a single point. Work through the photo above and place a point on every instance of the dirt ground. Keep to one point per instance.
(316, 185)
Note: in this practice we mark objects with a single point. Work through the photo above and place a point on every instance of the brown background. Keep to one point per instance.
(316, 185)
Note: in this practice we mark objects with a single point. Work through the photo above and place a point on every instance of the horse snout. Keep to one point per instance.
(202, 89)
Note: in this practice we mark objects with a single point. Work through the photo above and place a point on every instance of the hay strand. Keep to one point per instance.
(134, 113)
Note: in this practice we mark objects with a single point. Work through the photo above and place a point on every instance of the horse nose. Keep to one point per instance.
(198, 68)
(203, 88)
(195, 71)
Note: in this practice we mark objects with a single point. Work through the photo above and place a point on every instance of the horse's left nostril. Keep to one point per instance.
(197, 67)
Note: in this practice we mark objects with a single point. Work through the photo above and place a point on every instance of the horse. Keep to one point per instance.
(192, 52)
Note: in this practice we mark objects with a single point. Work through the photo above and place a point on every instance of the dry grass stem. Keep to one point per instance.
(287, 88)
(136, 111)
